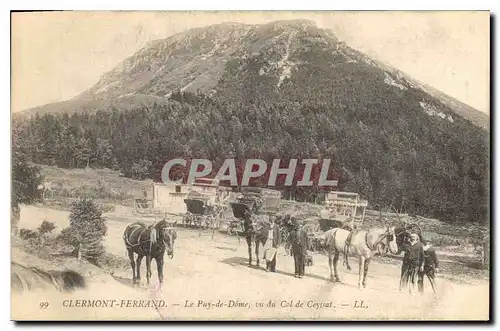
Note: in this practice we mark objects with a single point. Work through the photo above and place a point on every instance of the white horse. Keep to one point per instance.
(49, 188)
(363, 244)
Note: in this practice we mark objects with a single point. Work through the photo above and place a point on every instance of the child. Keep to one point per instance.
(431, 266)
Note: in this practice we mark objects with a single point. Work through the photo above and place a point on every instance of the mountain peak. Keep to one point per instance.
(295, 23)
(278, 56)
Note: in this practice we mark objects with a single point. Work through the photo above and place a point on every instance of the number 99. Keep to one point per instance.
(43, 305)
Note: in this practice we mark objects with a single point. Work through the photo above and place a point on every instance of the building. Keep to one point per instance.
(344, 205)
(169, 198)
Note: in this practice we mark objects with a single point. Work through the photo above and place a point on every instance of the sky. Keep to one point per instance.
(57, 55)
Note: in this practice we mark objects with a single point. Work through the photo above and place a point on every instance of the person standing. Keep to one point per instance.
(414, 257)
(431, 267)
(298, 240)
(270, 254)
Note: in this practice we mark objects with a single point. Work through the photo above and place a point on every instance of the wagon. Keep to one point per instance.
(249, 207)
(197, 213)
(327, 224)
(240, 210)
(262, 200)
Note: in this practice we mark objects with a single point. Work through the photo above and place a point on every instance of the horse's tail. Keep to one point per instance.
(346, 259)
(346, 249)
(330, 238)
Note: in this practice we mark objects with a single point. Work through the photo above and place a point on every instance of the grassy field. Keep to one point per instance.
(102, 184)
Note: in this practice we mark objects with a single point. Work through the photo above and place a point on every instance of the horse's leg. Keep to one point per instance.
(361, 271)
(213, 229)
(295, 252)
(404, 267)
(138, 267)
(132, 264)
(335, 261)
(148, 268)
(257, 243)
(249, 244)
(367, 263)
(330, 264)
(159, 266)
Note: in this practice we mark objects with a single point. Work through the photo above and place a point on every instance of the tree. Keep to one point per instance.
(139, 170)
(86, 230)
(103, 154)
(25, 181)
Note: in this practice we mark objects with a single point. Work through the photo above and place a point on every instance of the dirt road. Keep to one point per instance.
(210, 279)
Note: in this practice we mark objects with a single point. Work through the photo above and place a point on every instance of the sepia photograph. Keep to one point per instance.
(250, 166)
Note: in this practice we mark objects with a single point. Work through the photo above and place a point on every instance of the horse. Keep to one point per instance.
(150, 242)
(50, 187)
(364, 244)
(256, 229)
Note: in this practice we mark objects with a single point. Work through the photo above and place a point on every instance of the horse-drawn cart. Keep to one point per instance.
(202, 213)
(243, 209)
(197, 213)
(253, 201)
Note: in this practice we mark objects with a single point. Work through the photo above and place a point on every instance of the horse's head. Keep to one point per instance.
(167, 236)
(403, 233)
(387, 242)
(402, 238)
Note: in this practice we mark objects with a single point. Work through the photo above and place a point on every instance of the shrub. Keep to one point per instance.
(46, 227)
(86, 230)
(27, 234)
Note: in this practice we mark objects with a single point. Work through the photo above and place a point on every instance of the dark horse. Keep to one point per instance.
(150, 242)
(256, 229)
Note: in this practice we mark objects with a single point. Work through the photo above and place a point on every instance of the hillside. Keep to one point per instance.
(283, 89)
(195, 60)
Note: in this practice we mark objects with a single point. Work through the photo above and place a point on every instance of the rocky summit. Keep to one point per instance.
(212, 59)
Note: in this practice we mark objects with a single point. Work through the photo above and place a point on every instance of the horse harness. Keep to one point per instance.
(390, 237)
(151, 239)
(355, 231)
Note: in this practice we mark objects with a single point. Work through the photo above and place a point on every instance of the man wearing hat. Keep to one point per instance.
(298, 238)
(413, 263)
(431, 267)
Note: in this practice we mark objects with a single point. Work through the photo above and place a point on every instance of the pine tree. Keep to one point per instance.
(87, 229)
(25, 181)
